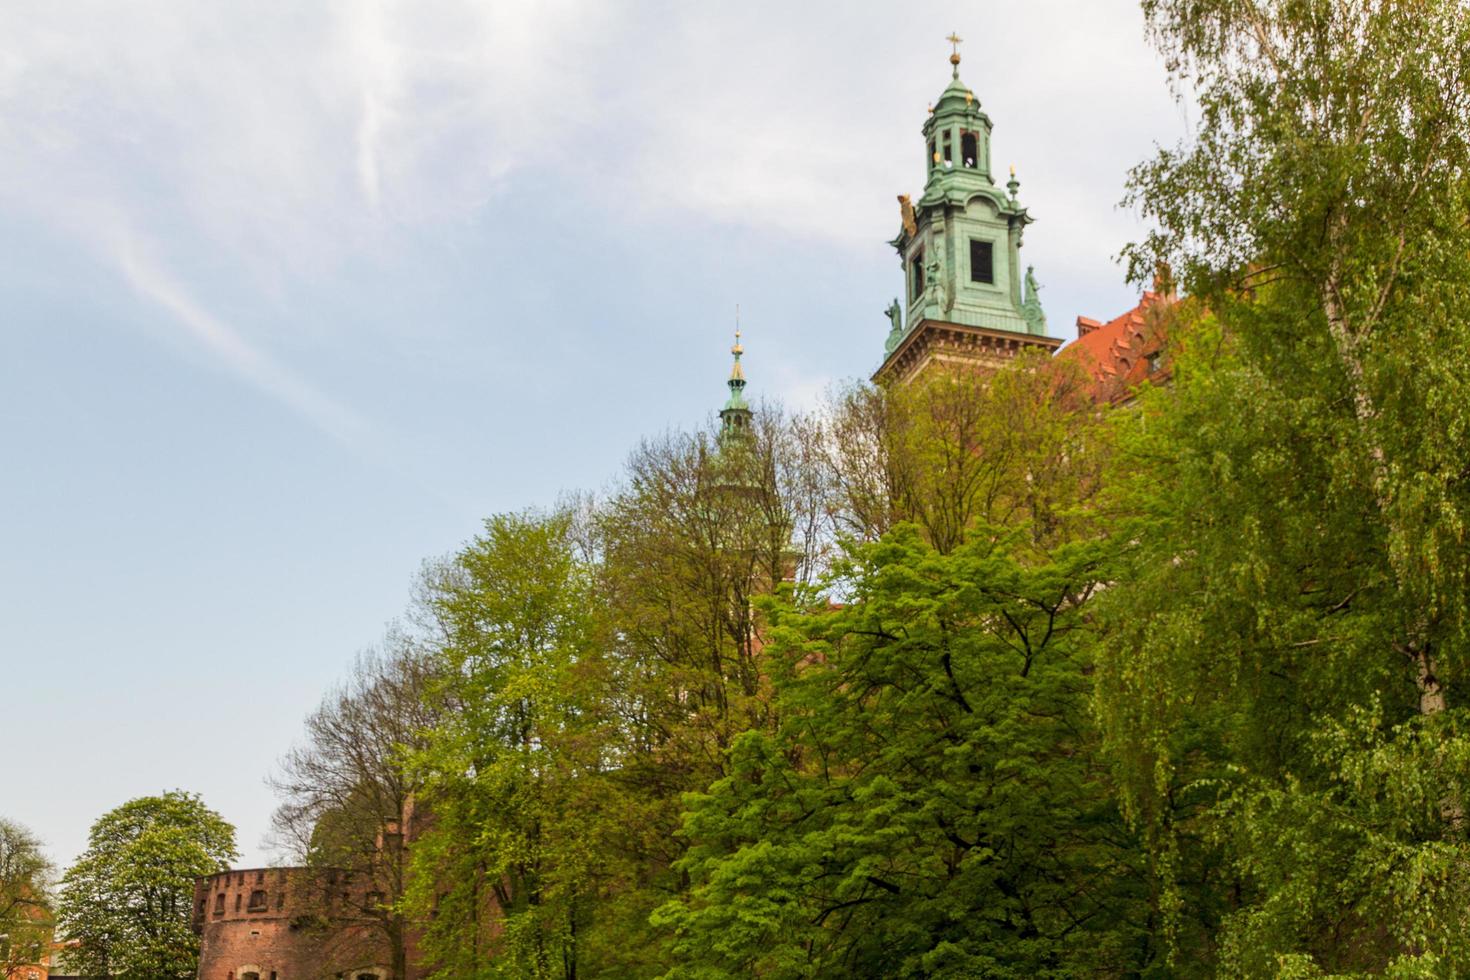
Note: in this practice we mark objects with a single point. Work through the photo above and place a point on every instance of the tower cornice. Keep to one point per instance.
(952, 346)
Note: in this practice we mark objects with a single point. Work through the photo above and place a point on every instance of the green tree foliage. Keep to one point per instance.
(1284, 679)
(25, 907)
(933, 802)
(596, 665)
(128, 900)
(592, 665)
(930, 800)
(523, 843)
(700, 529)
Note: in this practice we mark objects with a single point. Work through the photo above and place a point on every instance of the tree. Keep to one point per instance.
(929, 798)
(347, 791)
(128, 900)
(953, 452)
(933, 803)
(700, 529)
(1284, 678)
(25, 909)
(523, 845)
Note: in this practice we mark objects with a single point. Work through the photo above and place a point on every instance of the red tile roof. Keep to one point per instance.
(1124, 352)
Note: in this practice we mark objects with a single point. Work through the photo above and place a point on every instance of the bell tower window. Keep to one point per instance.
(982, 262)
(969, 150)
(916, 275)
(948, 150)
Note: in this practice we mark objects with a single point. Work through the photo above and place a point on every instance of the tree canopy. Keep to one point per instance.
(25, 898)
(128, 900)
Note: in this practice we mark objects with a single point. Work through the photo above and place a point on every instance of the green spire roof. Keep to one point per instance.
(736, 411)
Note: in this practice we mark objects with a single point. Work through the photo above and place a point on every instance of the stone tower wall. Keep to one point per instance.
(287, 924)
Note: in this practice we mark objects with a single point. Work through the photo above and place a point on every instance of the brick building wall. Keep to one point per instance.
(289, 924)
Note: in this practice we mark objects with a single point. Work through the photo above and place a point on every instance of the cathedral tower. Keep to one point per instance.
(967, 300)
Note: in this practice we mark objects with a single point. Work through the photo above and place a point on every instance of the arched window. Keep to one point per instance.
(257, 901)
(969, 150)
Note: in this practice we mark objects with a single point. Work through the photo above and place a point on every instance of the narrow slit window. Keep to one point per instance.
(916, 275)
(948, 150)
(982, 261)
(969, 150)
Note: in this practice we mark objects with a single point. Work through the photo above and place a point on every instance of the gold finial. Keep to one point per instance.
(736, 374)
(1013, 170)
(737, 350)
(955, 40)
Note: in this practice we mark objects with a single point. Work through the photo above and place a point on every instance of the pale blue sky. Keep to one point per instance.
(293, 294)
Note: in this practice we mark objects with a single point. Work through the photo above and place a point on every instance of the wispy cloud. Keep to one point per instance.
(155, 283)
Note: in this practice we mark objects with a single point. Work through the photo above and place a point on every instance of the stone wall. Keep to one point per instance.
(288, 924)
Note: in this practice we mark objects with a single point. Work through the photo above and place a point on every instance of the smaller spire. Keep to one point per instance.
(954, 58)
(736, 413)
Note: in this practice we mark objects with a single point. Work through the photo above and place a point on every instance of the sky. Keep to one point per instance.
(294, 294)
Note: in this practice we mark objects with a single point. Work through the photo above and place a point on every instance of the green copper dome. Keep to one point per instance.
(957, 98)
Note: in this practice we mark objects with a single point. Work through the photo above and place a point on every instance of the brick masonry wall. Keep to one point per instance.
(287, 924)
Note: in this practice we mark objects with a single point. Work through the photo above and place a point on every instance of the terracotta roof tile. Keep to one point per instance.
(1118, 354)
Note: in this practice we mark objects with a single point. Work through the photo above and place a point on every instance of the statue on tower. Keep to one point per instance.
(895, 316)
(1031, 304)
(939, 291)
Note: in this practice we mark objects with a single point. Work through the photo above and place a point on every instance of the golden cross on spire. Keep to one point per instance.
(956, 40)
